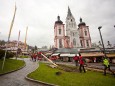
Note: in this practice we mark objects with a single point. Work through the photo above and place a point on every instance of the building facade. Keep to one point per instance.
(59, 32)
(84, 35)
(71, 36)
(72, 30)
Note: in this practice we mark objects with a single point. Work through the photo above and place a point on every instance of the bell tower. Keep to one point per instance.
(59, 34)
(71, 30)
(85, 39)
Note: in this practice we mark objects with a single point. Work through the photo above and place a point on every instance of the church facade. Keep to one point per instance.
(71, 36)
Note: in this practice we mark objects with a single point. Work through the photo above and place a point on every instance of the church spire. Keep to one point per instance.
(58, 18)
(69, 12)
(80, 19)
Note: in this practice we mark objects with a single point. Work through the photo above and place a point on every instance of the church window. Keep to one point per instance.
(72, 24)
(71, 20)
(60, 43)
(67, 43)
(81, 43)
(87, 43)
(85, 33)
(74, 41)
(59, 31)
(73, 34)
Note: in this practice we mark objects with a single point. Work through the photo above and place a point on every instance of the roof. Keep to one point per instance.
(58, 21)
(110, 55)
(67, 50)
(81, 23)
(92, 54)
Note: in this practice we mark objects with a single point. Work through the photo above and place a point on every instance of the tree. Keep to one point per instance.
(35, 48)
(2, 42)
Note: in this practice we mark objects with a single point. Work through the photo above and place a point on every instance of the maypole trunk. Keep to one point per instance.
(9, 36)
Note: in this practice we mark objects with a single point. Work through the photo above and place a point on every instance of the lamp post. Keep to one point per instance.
(102, 40)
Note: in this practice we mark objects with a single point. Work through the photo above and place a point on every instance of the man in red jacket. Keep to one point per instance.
(76, 58)
(81, 62)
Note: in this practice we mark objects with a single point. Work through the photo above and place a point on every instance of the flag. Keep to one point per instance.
(12, 22)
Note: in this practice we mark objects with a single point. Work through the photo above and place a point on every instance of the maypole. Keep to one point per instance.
(26, 37)
(11, 26)
(18, 44)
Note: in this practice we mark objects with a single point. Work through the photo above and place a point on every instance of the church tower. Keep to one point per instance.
(85, 39)
(71, 30)
(59, 34)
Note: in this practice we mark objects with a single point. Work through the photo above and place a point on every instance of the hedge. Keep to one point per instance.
(8, 55)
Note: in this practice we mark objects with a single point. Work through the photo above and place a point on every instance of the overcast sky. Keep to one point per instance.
(40, 16)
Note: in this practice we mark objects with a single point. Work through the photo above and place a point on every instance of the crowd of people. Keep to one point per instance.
(79, 61)
(35, 57)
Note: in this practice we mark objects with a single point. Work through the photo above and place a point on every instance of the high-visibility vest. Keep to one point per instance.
(106, 62)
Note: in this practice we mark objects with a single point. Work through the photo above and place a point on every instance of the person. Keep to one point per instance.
(107, 66)
(76, 58)
(31, 56)
(81, 64)
(35, 56)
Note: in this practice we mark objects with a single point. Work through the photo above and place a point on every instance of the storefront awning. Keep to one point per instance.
(67, 55)
(92, 54)
(55, 54)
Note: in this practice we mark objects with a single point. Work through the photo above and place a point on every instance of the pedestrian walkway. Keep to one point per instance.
(17, 78)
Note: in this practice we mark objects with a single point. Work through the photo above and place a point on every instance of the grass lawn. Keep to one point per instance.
(10, 64)
(23, 56)
(90, 78)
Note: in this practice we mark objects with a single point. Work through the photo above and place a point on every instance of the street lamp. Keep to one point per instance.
(102, 40)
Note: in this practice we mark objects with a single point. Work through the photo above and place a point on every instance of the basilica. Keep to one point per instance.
(71, 35)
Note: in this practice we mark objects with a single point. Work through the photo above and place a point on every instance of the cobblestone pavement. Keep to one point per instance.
(17, 78)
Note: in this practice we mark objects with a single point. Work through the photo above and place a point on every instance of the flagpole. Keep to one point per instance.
(17, 44)
(9, 36)
(26, 37)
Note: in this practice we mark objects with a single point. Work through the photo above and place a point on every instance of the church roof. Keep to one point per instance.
(69, 12)
(58, 21)
(81, 22)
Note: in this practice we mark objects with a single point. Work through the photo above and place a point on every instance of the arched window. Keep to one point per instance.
(74, 41)
(81, 43)
(85, 33)
(73, 34)
(59, 31)
(87, 43)
(60, 43)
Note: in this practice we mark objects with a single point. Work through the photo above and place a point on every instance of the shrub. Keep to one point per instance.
(8, 55)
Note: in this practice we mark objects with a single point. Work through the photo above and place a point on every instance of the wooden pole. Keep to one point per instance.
(26, 37)
(18, 44)
(49, 60)
(11, 26)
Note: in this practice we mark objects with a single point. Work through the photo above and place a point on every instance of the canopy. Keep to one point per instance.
(67, 55)
(55, 54)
